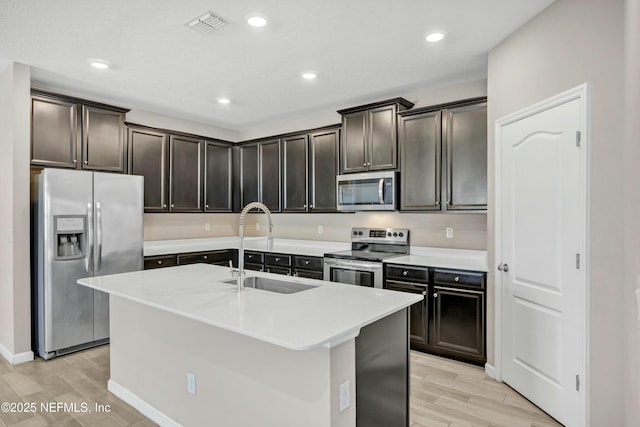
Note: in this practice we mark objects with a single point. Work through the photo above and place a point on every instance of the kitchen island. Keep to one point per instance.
(256, 357)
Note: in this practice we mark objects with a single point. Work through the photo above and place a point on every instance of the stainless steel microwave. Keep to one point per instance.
(369, 191)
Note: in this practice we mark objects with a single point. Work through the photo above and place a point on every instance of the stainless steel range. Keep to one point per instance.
(362, 265)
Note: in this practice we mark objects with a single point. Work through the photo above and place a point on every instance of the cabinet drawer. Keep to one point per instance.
(277, 259)
(472, 279)
(253, 257)
(408, 273)
(308, 262)
(159, 261)
(215, 257)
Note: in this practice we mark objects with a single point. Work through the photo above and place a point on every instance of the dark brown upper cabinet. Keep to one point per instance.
(218, 177)
(78, 134)
(323, 168)
(260, 174)
(309, 169)
(295, 174)
(465, 136)
(443, 154)
(369, 136)
(185, 174)
(148, 151)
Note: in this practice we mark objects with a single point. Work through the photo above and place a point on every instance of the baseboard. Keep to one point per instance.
(490, 370)
(16, 359)
(145, 409)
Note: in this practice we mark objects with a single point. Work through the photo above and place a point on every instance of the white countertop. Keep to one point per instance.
(459, 259)
(287, 246)
(322, 316)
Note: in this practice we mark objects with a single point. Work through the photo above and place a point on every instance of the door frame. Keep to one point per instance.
(581, 92)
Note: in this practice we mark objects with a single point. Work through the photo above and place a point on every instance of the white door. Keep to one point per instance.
(542, 241)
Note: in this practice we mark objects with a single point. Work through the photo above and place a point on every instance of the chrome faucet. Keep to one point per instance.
(244, 212)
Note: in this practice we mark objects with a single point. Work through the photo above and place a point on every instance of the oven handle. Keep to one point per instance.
(381, 191)
(347, 264)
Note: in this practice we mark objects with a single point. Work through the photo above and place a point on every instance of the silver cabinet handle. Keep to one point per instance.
(204, 256)
(424, 292)
(404, 273)
(306, 262)
(311, 206)
(277, 259)
(86, 162)
(364, 164)
(159, 262)
(206, 206)
(164, 206)
(503, 267)
(456, 279)
(435, 295)
(98, 235)
(172, 205)
(305, 206)
(75, 161)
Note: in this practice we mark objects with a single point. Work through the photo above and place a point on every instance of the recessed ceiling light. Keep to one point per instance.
(434, 36)
(256, 20)
(224, 100)
(99, 64)
(309, 75)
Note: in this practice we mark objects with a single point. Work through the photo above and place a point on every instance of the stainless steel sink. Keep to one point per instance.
(272, 285)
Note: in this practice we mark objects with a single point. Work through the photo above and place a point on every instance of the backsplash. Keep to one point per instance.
(469, 230)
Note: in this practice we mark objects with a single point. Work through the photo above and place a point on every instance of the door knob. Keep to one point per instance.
(503, 267)
(435, 295)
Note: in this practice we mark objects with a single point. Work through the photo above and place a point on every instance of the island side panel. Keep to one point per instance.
(382, 372)
(240, 381)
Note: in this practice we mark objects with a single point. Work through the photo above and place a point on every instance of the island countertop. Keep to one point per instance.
(326, 315)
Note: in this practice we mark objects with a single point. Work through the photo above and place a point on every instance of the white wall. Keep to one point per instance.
(632, 211)
(572, 42)
(15, 296)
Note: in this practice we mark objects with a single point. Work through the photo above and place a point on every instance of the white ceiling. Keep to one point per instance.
(362, 51)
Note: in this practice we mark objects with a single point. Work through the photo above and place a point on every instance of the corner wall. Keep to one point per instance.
(569, 43)
(15, 286)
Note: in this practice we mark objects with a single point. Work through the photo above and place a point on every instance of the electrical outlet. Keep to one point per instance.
(345, 395)
(191, 383)
(449, 232)
(207, 227)
(320, 230)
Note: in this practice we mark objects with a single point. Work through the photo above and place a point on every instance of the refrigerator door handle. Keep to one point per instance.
(88, 260)
(98, 236)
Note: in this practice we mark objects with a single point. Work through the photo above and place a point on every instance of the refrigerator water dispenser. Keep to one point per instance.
(70, 236)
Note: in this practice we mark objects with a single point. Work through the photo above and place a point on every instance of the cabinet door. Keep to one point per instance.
(294, 174)
(382, 138)
(103, 145)
(270, 174)
(420, 145)
(323, 168)
(160, 261)
(148, 158)
(53, 133)
(458, 323)
(248, 174)
(354, 144)
(185, 190)
(418, 313)
(218, 177)
(466, 152)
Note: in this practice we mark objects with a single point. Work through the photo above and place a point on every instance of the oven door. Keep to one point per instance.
(350, 272)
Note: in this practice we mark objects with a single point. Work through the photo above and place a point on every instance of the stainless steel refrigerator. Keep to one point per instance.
(84, 224)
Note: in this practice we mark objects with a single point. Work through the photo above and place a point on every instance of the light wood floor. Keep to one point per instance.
(444, 393)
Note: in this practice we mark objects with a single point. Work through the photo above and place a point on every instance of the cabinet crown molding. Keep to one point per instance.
(400, 101)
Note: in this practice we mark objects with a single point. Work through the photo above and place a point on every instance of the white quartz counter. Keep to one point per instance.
(323, 316)
(459, 259)
(287, 246)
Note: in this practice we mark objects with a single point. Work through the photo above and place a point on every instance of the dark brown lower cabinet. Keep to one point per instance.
(457, 323)
(221, 257)
(418, 313)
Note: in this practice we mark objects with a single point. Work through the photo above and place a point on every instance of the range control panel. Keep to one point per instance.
(380, 235)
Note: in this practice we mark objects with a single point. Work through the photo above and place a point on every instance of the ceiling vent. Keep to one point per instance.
(206, 22)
